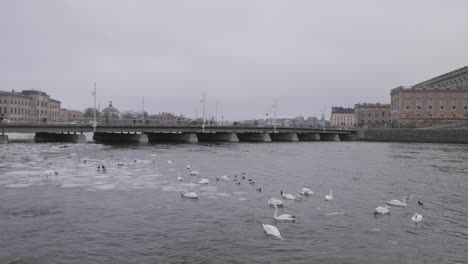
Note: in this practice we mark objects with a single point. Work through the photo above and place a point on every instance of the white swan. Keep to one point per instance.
(203, 181)
(287, 196)
(179, 178)
(283, 217)
(191, 195)
(170, 162)
(275, 202)
(225, 178)
(399, 203)
(306, 191)
(188, 166)
(329, 196)
(382, 210)
(417, 218)
(48, 173)
(272, 231)
(195, 172)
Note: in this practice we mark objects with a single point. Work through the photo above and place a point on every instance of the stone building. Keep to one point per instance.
(440, 100)
(372, 115)
(28, 105)
(342, 117)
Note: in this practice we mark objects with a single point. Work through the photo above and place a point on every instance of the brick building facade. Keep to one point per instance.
(372, 115)
(440, 100)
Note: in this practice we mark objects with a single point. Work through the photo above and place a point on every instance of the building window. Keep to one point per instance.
(419, 103)
(441, 103)
(430, 103)
(465, 103)
(454, 103)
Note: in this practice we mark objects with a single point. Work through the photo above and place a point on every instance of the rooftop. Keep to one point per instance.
(341, 110)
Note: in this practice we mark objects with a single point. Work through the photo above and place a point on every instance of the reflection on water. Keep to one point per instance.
(133, 212)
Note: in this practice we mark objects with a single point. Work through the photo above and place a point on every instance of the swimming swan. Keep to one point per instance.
(329, 196)
(203, 181)
(283, 217)
(191, 195)
(179, 178)
(398, 203)
(272, 231)
(417, 218)
(382, 210)
(195, 172)
(287, 196)
(275, 202)
(306, 191)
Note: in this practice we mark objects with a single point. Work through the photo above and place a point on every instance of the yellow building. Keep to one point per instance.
(28, 105)
(342, 117)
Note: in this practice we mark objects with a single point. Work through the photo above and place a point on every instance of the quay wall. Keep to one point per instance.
(455, 135)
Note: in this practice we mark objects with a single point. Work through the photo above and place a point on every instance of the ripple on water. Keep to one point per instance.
(136, 209)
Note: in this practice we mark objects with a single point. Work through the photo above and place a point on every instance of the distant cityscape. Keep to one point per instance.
(439, 100)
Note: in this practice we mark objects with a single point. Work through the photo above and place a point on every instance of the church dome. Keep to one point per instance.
(110, 110)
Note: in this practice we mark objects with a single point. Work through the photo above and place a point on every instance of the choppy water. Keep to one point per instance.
(134, 213)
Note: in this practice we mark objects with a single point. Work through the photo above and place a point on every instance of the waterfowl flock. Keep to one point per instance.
(275, 203)
(246, 180)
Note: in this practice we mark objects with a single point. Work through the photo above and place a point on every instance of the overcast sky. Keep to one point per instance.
(243, 54)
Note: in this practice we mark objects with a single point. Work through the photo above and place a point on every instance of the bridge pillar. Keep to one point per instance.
(217, 137)
(173, 137)
(3, 139)
(346, 137)
(284, 137)
(119, 137)
(42, 137)
(308, 137)
(329, 137)
(254, 137)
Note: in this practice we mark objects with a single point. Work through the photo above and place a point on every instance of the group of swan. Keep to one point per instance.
(397, 203)
(273, 230)
(385, 209)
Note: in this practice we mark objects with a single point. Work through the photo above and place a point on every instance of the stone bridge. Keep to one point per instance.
(172, 133)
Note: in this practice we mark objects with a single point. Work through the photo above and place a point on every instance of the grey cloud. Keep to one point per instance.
(244, 54)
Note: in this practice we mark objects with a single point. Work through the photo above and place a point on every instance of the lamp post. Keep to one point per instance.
(94, 119)
(203, 122)
(274, 120)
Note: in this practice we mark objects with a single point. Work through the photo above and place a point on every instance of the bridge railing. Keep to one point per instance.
(103, 122)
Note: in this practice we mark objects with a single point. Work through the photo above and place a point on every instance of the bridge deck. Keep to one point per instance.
(139, 128)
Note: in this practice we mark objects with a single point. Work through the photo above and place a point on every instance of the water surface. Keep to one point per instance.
(133, 212)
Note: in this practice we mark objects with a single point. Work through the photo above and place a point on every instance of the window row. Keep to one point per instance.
(25, 111)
